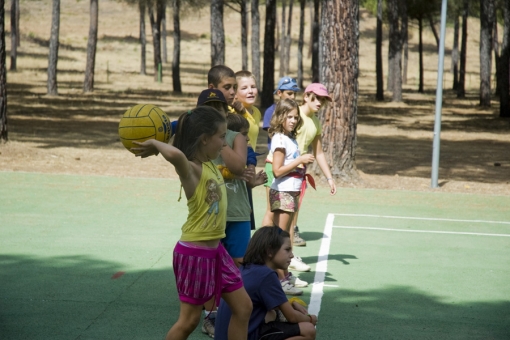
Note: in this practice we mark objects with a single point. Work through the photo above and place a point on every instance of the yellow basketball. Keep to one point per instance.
(143, 122)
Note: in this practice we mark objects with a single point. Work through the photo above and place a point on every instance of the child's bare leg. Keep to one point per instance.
(189, 317)
(241, 306)
(210, 305)
(283, 219)
(268, 219)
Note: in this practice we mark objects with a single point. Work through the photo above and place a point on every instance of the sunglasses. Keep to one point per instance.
(289, 80)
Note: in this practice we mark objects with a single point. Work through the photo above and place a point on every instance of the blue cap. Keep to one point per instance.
(210, 95)
(287, 83)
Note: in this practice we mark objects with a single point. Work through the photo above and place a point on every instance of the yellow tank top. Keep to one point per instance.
(207, 208)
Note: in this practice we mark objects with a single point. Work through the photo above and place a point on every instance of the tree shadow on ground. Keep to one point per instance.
(72, 297)
(468, 160)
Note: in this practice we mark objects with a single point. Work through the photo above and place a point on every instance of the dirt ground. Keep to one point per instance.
(76, 133)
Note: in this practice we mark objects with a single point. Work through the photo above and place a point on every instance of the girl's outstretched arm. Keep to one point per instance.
(323, 164)
(169, 152)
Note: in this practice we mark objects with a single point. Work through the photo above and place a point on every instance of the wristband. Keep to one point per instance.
(329, 178)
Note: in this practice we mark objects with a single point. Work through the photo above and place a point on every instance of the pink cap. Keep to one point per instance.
(319, 90)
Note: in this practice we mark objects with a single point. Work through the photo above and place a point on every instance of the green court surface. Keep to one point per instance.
(90, 257)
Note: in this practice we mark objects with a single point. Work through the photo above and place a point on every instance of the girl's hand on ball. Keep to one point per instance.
(145, 149)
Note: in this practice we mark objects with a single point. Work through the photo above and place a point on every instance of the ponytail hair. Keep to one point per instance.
(192, 125)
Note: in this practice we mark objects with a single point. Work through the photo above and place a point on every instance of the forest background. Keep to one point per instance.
(76, 131)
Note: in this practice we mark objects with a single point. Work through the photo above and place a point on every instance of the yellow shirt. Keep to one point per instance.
(207, 208)
(310, 129)
(254, 120)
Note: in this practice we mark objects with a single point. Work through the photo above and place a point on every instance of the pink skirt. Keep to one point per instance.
(202, 272)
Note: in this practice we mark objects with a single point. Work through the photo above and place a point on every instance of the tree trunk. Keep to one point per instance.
(156, 37)
(217, 33)
(395, 50)
(420, 54)
(288, 38)
(88, 84)
(495, 48)
(143, 38)
(301, 42)
(379, 95)
(176, 62)
(14, 36)
(339, 73)
(255, 41)
(18, 38)
(455, 52)
(312, 16)
(404, 38)
(163, 32)
(315, 41)
(461, 90)
(504, 69)
(3, 77)
(269, 53)
(433, 28)
(393, 42)
(486, 25)
(282, 39)
(244, 34)
(53, 53)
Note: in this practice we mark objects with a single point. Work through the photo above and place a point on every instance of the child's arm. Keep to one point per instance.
(235, 157)
(279, 169)
(169, 152)
(294, 315)
(323, 164)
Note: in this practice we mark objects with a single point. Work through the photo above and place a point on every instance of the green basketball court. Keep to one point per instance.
(89, 257)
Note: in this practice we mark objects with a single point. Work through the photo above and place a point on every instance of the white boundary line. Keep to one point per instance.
(423, 231)
(423, 218)
(322, 263)
(321, 268)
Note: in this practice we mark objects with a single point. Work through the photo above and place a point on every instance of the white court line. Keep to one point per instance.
(423, 231)
(423, 218)
(322, 267)
(322, 264)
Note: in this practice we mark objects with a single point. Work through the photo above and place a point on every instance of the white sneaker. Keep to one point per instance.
(296, 282)
(298, 265)
(289, 289)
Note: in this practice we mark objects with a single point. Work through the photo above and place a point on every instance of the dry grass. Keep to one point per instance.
(77, 133)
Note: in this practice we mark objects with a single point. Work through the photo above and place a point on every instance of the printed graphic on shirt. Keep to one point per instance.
(212, 198)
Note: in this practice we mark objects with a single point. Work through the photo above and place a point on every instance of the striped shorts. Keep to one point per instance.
(203, 272)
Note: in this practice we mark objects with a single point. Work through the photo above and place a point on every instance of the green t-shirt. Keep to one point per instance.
(310, 129)
(238, 209)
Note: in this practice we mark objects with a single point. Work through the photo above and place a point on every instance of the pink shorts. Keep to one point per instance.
(202, 272)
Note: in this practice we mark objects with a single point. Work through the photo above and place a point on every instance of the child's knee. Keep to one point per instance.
(188, 324)
(243, 309)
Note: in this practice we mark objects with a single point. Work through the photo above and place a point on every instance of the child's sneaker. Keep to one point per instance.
(298, 265)
(208, 327)
(298, 241)
(289, 289)
(296, 282)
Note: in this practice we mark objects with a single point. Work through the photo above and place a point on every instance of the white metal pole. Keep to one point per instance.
(439, 100)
